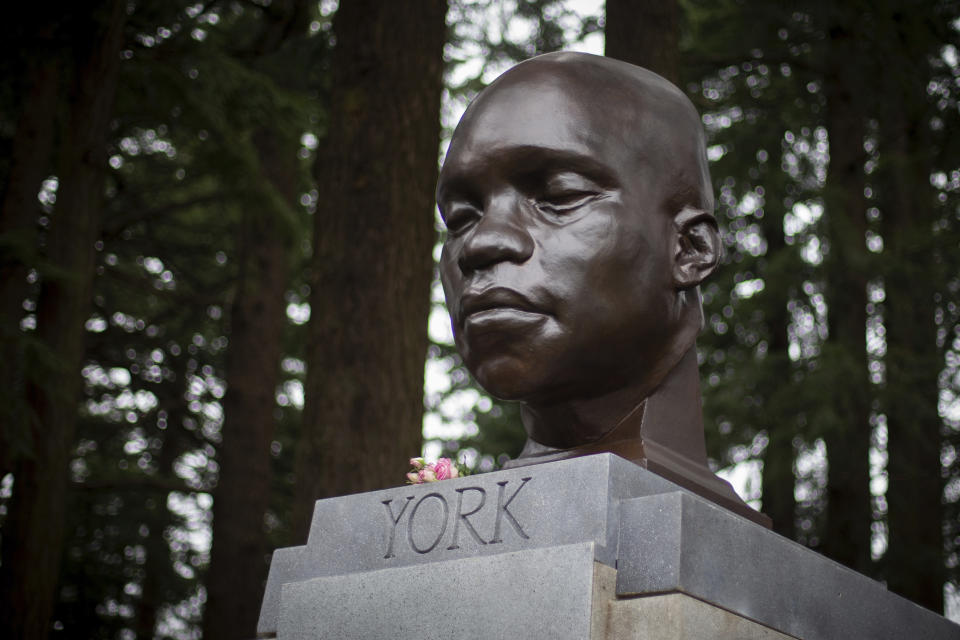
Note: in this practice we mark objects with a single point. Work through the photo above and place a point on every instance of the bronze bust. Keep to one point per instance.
(579, 215)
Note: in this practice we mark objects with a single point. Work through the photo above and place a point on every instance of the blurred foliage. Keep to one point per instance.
(780, 375)
(183, 173)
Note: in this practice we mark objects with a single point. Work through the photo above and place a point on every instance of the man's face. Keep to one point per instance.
(557, 262)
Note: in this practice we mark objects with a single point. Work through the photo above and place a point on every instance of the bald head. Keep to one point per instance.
(577, 203)
(647, 118)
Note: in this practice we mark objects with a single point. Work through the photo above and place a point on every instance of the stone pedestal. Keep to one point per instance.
(593, 547)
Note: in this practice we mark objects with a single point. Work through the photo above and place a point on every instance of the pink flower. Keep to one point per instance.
(422, 471)
(444, 469)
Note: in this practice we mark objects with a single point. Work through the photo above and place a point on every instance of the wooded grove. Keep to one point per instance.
(218, 300)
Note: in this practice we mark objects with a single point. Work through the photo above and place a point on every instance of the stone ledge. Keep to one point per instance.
(540, 594)
(556, 593)
(676, 616)
(680, 543)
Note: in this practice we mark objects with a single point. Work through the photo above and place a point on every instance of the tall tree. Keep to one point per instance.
(207, 177)
(34, 530)
(257, 319)
(37, 80)
(797, 377)
(847, 394)
(866, 154)
(916, 138)
(376, 171)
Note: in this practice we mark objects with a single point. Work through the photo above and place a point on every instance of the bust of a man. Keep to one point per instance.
(579, 216)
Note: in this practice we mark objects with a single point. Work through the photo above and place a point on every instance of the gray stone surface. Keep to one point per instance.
(545, 505)
(543, 593)
(677, 542)
(675, 616)
(604, 593)
(475, 552)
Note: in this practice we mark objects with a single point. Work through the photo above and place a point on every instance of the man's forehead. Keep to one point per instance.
(540, 114)
(573, 103)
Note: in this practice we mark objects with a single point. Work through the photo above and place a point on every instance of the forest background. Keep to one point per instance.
(217, 290)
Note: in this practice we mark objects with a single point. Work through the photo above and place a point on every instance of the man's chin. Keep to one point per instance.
(502, 390)
(506, 380)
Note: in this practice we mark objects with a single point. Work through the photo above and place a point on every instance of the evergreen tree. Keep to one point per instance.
(190, 182)
(816, 236)
(34, 529)
(376, 172)
(265, 250)
(916, 142)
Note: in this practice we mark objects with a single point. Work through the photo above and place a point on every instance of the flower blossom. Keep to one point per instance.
(442, 469)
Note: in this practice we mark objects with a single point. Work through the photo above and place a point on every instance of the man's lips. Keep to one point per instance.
(495, 299)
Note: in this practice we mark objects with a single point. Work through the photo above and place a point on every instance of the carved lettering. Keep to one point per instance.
(443, 522)
(503, 510)
(472, 514)
(461, 515)
(394, 521)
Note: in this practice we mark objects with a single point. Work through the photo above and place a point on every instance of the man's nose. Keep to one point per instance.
(499, 236)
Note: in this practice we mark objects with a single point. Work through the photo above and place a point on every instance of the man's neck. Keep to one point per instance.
(669, 416)
(663, 433)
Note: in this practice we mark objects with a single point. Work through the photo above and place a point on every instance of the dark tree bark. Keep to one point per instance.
(34, 528)
(158, 561)
(376, 174)
(645, 33)
(30, 163)
(778, 479)
(914, 563)
(845, 417)
(257, 319)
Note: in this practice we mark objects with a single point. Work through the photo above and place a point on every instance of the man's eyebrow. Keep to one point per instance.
(524, 160)
(532, 159)
(455, 186)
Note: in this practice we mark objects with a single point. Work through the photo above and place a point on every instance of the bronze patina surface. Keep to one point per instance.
(579, 211)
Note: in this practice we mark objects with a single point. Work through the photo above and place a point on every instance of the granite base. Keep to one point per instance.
(593, 547)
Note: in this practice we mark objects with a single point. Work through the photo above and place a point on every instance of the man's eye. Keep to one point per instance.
(565, 202)
(460, 218)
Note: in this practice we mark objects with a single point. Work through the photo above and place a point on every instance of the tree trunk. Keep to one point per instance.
(31, 162)
(914, 563)
(645, 33)
(778, 479)
(238, 563)
(845, 416)
(33, 533)
(158, 562)
(257, 320)
(372, 263)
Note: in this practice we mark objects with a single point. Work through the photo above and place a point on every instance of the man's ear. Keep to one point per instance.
(698, 247)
